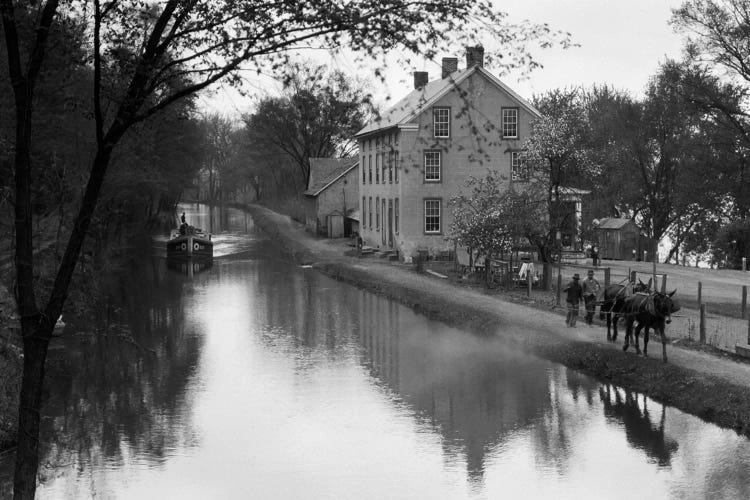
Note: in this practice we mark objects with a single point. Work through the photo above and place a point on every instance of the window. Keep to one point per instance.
(395, 138)
(364, 177)
(432, 216)
(369, 168)
(518, 168)
(369, 210)
(363, 215)
(395, 215)
(510, 123)
(382, 211)
(441, 122)
(432, 165)
(396, 166)
(377, 213)
(382, 164)
(377, 168)
(390, 167)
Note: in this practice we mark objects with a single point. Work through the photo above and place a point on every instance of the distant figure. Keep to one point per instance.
(184, 225)
(574, 293)
(591, 290)
(182, 218)
(595, 255)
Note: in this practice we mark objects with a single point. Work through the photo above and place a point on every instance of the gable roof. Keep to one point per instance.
(326, 171)
(614, 223)
(414, 103)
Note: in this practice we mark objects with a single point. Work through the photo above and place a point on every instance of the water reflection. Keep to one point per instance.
(255, 378)
(190, 267)
(631, 410)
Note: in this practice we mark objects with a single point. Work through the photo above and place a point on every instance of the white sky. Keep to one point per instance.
(622, 43)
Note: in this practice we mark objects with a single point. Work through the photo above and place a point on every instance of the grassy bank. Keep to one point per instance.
(714, 400)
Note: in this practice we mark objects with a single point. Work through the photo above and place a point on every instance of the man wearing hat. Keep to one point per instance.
(574, 294)
(591, 289)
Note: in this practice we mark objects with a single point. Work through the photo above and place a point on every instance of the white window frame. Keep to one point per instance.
(441, 122)
(509, 120)
(519, 170)
(430, 204)
(432, 166)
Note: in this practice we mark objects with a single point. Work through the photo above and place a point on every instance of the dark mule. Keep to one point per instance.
(651, 311)
(614, 299)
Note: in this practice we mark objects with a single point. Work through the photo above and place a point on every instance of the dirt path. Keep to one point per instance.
(712, 386)
(513, 316)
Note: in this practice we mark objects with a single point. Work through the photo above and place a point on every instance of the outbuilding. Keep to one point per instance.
(621, 239)
(331, 196)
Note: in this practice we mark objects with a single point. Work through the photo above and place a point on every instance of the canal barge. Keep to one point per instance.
(190, 242)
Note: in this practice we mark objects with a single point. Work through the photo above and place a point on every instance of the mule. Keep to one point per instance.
(652, 311)
(614, 300)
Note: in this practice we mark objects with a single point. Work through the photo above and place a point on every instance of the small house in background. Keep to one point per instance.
(331, 197)
(621, 239)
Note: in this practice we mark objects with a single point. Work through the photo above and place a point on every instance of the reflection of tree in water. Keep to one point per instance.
(471, 390)
(120, 384)
(636, 419)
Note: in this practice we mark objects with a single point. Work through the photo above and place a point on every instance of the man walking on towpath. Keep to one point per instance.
(591, 290)
(574, 293)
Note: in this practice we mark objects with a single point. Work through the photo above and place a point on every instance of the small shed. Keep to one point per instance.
(621, 239)
(333, 190)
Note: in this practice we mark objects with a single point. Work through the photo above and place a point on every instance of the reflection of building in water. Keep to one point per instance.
(635, 417)
(470, 390)
(190, 267)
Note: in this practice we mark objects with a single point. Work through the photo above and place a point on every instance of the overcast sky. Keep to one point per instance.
(622, 43)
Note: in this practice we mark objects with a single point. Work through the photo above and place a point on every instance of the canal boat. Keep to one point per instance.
(189, 242)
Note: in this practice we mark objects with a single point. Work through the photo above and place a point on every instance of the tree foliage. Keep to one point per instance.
(146, 56)
(317, 116)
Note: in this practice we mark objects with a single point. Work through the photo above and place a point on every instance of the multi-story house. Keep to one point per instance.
(422, 150)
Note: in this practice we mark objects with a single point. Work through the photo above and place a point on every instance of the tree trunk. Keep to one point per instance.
(35, 342)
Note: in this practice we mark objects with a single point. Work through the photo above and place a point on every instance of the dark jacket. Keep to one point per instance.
(574, 292)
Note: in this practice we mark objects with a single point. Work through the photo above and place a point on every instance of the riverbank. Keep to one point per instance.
(714, 388)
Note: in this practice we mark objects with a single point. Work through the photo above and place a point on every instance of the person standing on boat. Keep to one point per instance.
(183, 226)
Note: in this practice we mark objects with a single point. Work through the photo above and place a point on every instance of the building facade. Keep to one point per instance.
(424, 148)
(331, 196)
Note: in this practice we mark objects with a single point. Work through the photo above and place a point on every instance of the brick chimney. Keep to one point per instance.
(474, 56)
(420, 79)
(450, 65)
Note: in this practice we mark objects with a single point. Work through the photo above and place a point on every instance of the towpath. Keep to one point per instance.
(514, 318)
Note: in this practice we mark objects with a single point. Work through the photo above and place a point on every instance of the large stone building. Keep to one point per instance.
(422, 150)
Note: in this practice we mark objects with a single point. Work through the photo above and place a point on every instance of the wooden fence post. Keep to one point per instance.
(663, 283)
(633, 274)
(748, 331)
(702, 327)
(744, 301)
(700, 292)
(744, 263)
(606, 277)
(559, 288)
(529, 279)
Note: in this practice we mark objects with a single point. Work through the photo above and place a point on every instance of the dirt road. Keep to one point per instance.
(714, 387)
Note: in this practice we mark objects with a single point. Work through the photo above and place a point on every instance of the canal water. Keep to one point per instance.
(254, 378)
